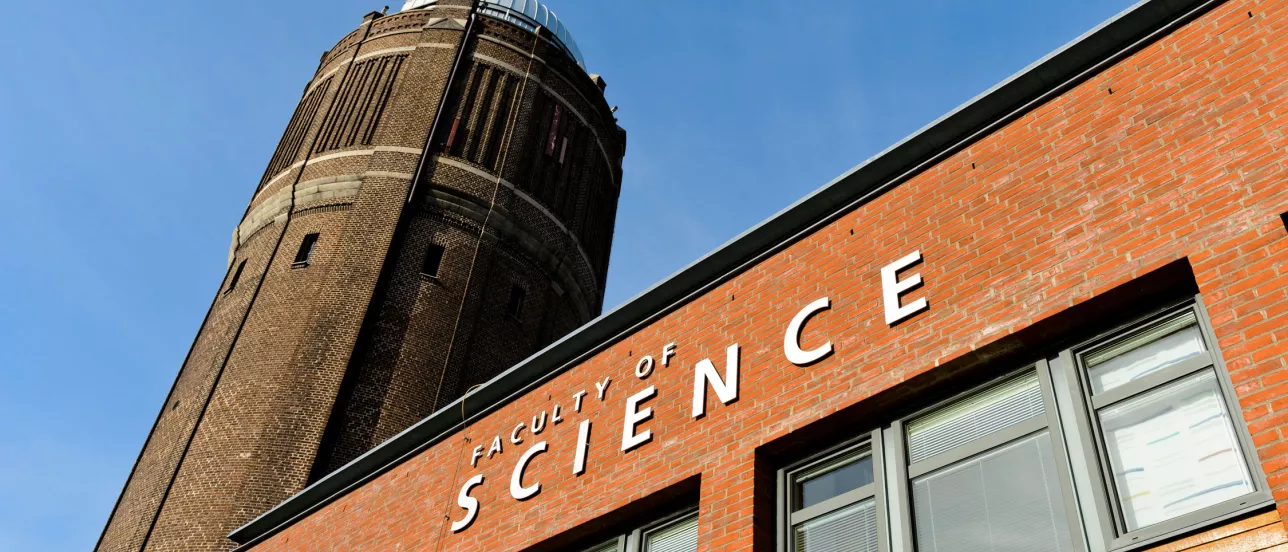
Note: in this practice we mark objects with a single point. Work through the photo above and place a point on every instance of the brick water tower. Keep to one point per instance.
(440, 206)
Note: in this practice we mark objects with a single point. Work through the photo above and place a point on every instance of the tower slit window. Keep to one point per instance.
(305, 254)
(360, 103)
(433, 260)
(479, 133)
(232, 284)
(293, 138)
(553, 134)
(461, 128)
(501, 120)
(514, 305)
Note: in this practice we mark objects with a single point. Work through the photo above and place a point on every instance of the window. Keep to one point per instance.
(514, 306)
(433, 259)
(678, 533)
(1124, 440)
(232, 284)
(305, 254)
(831, 502)
(984, 474)
(1152, 410)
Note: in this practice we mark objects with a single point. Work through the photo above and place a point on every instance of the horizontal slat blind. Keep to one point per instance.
(981, 414)
(852, 529)
(679, 537)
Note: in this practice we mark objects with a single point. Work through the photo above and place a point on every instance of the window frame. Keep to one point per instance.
(514, 302)
(308, 246)
(904, 473)
(432, 250)
(232, 283)
(786, 478)
(633, 540)
(1081, 460)
(1087, 448)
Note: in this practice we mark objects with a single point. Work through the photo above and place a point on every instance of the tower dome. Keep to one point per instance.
(528, 14)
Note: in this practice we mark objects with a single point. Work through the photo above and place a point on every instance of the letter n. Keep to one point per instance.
(705, 374)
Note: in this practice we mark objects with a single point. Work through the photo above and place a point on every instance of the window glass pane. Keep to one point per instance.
(832, 479)
(984, 413)
(1144, 353)
(1173, 450)
(606, 547)
(1005, 500)
(851, 529)
(681, 536)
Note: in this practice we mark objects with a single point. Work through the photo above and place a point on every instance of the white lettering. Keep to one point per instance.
(554, 416)
(644, 367)
(583, 445)
(517, 490)
(792, 339)
(603, 387)
(514, 435)
(578, 397)
(635, 416)
(496, 447)
(705, 373)
(892, 287)
(667, 352)
(478, 452)
(538, 424)
(468, 502)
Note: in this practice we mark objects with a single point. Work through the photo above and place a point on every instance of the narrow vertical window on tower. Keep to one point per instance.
(433, 258)
(305, 254)
(232, 284)
(514, 306)
(553, 135)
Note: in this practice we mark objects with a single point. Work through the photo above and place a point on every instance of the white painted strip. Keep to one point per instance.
(403, 176)
(338, 155)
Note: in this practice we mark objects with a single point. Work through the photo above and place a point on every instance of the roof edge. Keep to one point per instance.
(1085, 56)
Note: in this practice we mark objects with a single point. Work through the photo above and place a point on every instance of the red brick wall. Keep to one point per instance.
(1184, 159)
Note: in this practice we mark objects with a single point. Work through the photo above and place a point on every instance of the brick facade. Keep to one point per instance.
(301, 367)
(1158, 176)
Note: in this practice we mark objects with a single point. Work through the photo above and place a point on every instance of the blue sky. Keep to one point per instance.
(132, 135)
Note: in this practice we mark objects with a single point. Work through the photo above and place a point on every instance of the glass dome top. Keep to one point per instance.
(528, 14)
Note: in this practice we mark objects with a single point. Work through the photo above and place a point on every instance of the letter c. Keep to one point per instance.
(517, 490)
(792, 339)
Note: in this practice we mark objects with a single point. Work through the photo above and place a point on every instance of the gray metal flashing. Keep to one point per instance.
(1055, 73)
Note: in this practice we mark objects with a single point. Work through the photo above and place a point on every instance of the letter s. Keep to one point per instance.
(468, 502)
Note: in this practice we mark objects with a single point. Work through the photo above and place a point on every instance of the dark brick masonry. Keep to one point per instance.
(301, 366)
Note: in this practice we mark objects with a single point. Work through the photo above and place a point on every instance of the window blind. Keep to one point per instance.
(852, 529)
(1007, 500)
(981, 414)
(678, 537)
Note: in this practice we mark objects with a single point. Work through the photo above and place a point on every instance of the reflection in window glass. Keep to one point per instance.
(1145, 353)
(852, 529)
(1173, 451)
(1006, 500)
(832, 480)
